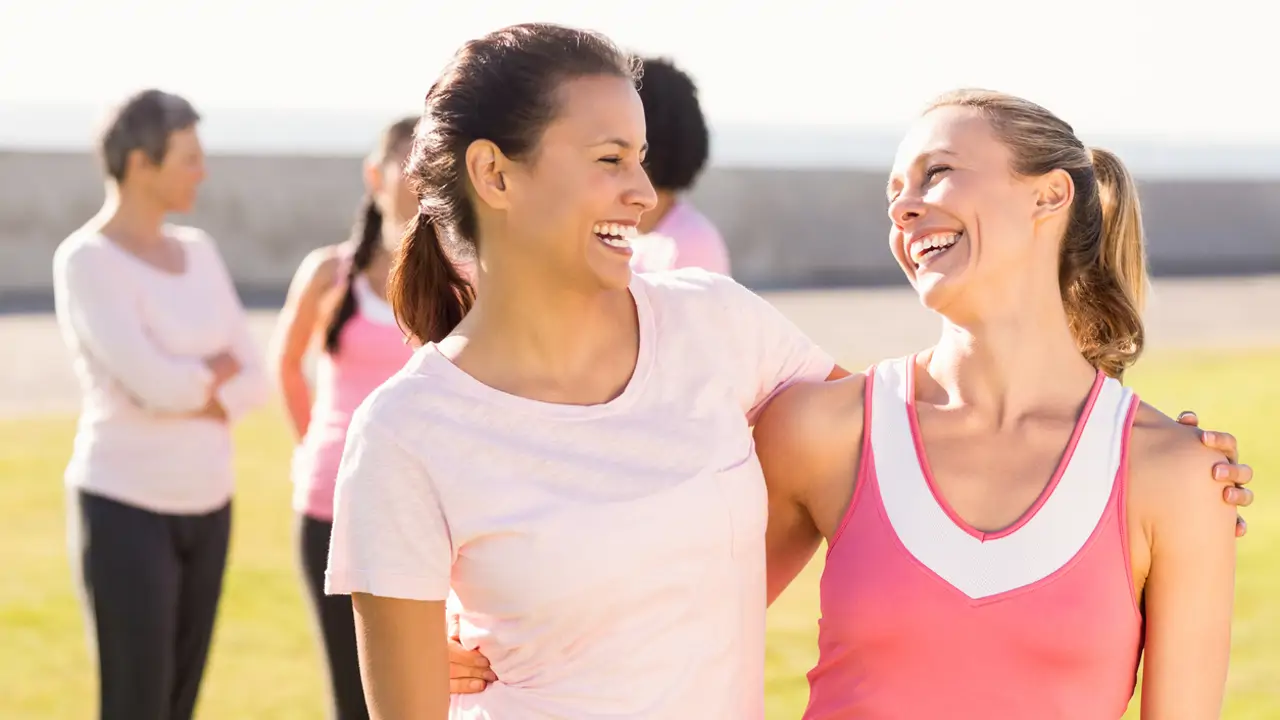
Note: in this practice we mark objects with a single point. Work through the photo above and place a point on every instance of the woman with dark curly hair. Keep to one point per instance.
(676, 235)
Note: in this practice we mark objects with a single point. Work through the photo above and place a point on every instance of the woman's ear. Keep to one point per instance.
(1054, 192)
(485, 167)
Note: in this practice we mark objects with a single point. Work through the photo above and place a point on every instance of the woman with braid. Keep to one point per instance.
(338, 301)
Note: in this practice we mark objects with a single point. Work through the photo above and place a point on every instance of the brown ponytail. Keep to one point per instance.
(1109, 286)
(1102, 267)
(430, 297)
(368, 235)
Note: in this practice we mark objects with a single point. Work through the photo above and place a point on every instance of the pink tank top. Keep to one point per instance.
(372, 349)
(924, 616)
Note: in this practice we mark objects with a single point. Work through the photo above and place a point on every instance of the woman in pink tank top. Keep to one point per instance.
(338, 300)
(976, 568)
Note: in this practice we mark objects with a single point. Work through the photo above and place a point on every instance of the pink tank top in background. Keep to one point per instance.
(923, 616)
(372, 349)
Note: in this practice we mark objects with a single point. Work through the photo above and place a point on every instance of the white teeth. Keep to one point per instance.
(936, 241)
(615, 234)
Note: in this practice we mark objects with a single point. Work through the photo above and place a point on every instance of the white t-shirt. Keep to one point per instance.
(138, 337)
(608, 559)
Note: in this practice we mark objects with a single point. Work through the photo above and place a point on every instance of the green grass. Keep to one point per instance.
(265, 662)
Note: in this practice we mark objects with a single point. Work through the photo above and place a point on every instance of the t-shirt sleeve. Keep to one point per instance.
(390, 536)
(770, 352)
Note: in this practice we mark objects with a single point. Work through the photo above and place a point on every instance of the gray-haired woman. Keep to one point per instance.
(162, 350)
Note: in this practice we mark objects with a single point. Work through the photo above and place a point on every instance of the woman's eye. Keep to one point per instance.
(934, 171)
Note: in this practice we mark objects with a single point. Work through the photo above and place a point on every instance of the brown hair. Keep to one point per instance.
(143, 121)
(501, 88)
(367, 233)
(1102, 271)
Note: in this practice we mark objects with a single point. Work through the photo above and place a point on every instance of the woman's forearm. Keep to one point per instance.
(297, 398)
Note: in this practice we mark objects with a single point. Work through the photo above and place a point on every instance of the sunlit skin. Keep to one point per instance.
(949, 182)
(540, 212)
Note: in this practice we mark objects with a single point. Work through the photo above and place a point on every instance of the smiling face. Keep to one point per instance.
(964, 224)
(573, 205)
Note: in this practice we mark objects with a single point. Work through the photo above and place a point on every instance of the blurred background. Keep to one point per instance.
(806, 101)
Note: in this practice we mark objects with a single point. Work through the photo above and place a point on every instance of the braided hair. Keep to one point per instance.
(366, 234)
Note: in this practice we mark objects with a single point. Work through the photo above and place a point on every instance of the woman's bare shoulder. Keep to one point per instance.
(818, 408)
(814, 425)
(318, 271)
(1171, 470)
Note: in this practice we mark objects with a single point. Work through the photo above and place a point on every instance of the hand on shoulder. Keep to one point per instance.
(1171, 466)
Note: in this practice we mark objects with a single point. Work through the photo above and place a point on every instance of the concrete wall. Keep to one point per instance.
(785, 227)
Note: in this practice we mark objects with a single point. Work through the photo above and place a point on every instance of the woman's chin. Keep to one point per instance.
(935, 291)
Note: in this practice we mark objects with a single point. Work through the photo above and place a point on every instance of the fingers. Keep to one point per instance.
(465, 687)
(1234, 474)
(1188, 417)
(1224, 443)
(469, 671)
(459, 655)
(1238, 496)
(1242, 527)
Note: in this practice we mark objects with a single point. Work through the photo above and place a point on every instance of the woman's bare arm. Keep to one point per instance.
(808, 442)
(1188, 545)
(403, 658)
(295, 328)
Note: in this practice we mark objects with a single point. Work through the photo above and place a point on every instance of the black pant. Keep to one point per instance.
(336, 622)
(151, 584)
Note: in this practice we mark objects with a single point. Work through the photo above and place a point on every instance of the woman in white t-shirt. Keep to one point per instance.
(161, 347)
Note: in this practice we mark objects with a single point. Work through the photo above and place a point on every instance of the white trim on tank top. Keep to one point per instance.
(375, 309)
(1043, 545)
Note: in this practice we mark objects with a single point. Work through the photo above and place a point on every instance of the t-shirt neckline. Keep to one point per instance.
(461, 380)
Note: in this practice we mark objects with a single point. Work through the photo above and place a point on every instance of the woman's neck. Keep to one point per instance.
(393, 234)
(1011, 362)
(523, 327)
(130, 219)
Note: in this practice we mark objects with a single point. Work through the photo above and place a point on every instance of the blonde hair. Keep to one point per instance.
(1102, 267)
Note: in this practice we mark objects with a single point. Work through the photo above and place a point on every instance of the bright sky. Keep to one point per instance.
(1127, 66)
